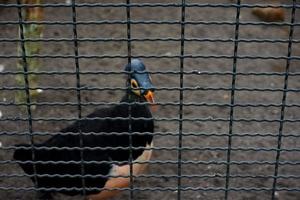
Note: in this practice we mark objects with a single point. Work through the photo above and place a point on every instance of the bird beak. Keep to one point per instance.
(150, 98)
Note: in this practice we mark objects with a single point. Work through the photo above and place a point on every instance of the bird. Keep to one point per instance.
(61, 166)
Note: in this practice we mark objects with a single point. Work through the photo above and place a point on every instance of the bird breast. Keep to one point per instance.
(115, 182)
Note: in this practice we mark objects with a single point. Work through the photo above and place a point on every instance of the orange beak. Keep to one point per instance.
(150, 98)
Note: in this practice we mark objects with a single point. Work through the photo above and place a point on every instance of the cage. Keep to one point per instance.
(226, 82)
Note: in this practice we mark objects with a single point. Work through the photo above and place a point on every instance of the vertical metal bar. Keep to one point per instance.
(129, 107)
(181, 99)
(27, 90)
(236, 37)
(128, 11)
(78, 95)
(283, 102)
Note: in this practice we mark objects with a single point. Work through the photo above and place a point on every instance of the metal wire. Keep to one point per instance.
(179, 158)
(273, 156)
(118, 5)
(27, 91)
(78, 86)
(232, 95)
(284, 96)
(128, 15)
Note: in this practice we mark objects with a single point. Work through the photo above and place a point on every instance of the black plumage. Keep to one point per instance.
(58, 152)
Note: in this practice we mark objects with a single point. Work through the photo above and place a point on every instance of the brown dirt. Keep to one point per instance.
(169, 80)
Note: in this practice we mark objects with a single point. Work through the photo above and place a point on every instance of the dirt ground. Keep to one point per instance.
(210, 137)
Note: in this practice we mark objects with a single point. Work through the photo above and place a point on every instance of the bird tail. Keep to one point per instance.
(23, 154)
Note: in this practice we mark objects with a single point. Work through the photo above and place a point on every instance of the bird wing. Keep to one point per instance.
(64, 164)
(61, 162)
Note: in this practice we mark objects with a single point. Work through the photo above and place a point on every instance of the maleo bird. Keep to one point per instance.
(60, 163)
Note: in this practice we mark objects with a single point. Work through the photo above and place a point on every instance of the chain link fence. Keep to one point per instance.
(226, 77)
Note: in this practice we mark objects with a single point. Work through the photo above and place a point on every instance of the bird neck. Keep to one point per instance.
(136, 109)
(130, 97)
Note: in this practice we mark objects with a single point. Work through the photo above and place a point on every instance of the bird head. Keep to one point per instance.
(139, 80)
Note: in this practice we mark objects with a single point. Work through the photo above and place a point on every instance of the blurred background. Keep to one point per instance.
(210, 30)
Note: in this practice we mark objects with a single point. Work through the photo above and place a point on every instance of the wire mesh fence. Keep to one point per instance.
(226, 82)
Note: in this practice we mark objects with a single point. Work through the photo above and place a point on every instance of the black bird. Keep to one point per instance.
(59, 162)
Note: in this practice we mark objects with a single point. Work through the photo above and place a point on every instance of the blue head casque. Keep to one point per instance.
(139, 78)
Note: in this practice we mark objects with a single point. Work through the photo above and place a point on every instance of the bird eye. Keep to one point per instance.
(134, 84)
